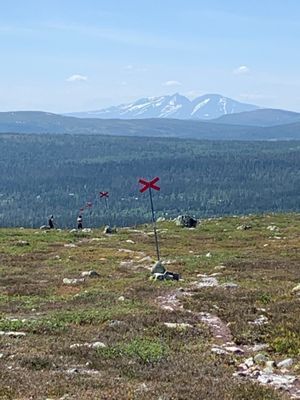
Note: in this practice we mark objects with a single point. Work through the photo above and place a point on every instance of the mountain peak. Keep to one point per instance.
(205, 107)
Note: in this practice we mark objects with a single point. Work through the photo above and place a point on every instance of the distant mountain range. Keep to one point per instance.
(207, 107)
(239, 127)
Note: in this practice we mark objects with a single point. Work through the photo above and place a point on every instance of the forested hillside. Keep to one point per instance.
(45, 174)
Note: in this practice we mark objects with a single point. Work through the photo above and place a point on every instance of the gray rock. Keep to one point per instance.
(269, 367)
(45, 227)
(288, 362)
(22, 243)
(177, 325)
(234, 349)
(296, 289)
(208, 281)
(244, 227)
(249, 362)
(90, 274)
(158, 268)
(73, 281)
(109, 230)
(97, 345)
(12, 334)
(230, 285)
(186, 221)
(260, 358)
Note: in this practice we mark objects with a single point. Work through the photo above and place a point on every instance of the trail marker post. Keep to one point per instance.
(105, 196)
(89, 205)
(149, 185)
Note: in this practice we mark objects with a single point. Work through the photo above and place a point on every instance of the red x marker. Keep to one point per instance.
(104, 194)
(149, 184)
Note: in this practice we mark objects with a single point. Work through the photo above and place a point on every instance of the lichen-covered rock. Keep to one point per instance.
(158, 268)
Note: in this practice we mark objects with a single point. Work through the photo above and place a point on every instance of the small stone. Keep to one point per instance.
(121, 298)
(208, 254)
(12, 334)
(219, 351)
(97, 345)
(22, 243)
(230, 285)
(90, 274)
(72, 371)
(234, 349)
(109, 230)
(260, 358)
(260, 347)
(130, 241)
(70, 245)
(249, 362)
(74, 281)
(220, 267)
(208, 282)
(296, 289)
(86, 230)
(269, 367)
(176, 325)
(288, 362)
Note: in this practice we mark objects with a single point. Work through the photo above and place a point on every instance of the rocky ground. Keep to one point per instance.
(80, 318)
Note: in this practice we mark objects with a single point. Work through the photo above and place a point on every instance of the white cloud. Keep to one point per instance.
(171, 83)
(241, 70)
(77, 78)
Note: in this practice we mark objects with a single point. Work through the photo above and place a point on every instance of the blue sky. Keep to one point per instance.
(63, 56)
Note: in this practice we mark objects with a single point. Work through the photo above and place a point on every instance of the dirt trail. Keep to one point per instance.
(223, 344)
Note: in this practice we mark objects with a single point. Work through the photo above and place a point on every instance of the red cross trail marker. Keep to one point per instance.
(151, 185)
(105, 196)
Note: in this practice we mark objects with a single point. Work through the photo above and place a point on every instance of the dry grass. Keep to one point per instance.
(143, 359)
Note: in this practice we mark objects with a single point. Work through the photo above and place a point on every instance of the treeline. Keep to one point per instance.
(49, 174)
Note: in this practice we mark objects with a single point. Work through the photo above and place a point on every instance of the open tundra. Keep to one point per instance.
(80, 318)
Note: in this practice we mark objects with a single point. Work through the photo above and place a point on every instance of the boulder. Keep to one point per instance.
(109, 230)
(186, 221)
(90, 274)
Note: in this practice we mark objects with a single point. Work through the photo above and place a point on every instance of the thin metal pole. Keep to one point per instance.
(107, 210)
(154, 225)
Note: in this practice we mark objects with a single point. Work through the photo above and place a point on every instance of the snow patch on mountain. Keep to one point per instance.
(205, 107)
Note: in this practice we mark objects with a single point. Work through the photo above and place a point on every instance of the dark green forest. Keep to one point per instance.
(59, 174)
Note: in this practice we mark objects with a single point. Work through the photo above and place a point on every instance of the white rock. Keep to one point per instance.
(260, 358)
(97, 345)
(296, 289)
(208, 282)
(130, 241)
(208, 254)
(249, 362)
(121, 298)
(12, 334)
(288, 362)
(73, 281)
(70, 245)
(90, 274)
(176, 325)
(234, 349)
